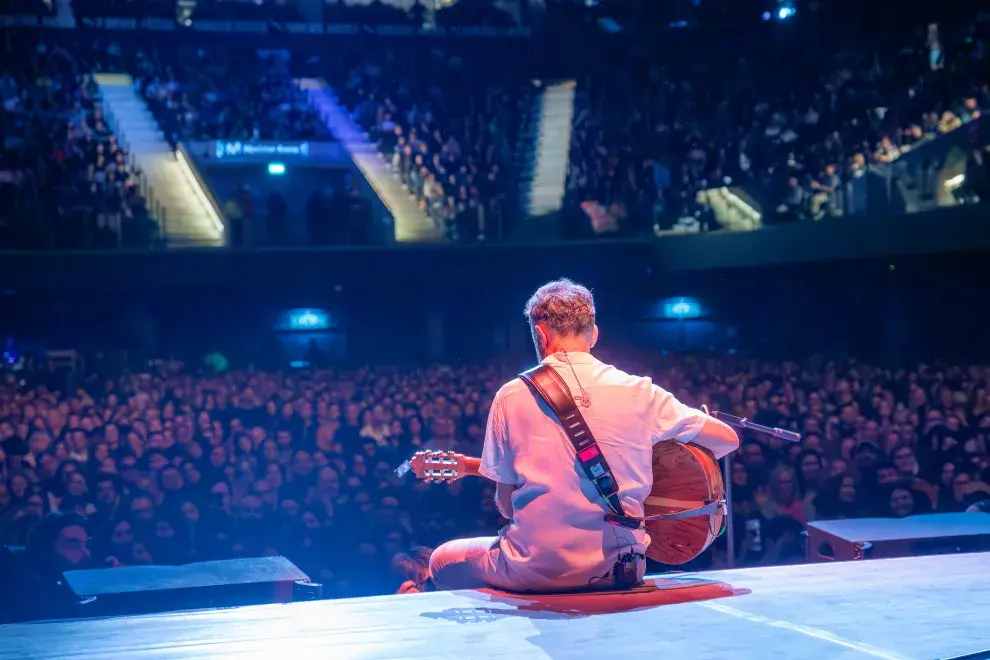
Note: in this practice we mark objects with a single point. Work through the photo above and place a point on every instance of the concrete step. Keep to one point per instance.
(187, 217)
(139, 130)
(548, 148)
(411, 222)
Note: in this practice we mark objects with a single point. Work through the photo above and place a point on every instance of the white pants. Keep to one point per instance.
(477, 563)
(468, 564)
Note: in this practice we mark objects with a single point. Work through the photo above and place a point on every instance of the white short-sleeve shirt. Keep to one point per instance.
(558, 538)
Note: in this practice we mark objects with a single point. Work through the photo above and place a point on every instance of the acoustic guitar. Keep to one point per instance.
(684, 511)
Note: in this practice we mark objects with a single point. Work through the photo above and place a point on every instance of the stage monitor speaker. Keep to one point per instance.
(873, 538)
(224, 583)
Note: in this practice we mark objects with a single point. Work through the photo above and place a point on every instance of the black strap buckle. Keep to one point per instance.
(622, 521)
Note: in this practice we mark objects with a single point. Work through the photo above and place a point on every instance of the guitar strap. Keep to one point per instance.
(549, 386)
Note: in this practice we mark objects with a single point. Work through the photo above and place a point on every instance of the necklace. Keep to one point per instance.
(585, 398)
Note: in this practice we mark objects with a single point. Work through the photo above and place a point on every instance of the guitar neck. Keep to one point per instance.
(471, 466)
(440, 466)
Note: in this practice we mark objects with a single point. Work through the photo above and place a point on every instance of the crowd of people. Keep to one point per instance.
(448, 128)
(208, 93)
(351, 12)
(65, 180)
(449, 137)
(656, 129)
(169, 465)
(653, 127)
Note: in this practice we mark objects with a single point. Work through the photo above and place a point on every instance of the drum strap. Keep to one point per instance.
(549, 386)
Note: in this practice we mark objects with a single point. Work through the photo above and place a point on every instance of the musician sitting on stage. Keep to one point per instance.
(557, 538)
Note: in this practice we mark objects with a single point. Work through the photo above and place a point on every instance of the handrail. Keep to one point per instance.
(183, 155)
(152, 205)
(366, 161)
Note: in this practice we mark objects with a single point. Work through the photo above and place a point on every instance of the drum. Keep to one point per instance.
(685, 476)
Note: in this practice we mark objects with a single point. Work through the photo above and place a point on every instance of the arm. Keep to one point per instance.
(672, 420)
(717, 437)
(497, 460)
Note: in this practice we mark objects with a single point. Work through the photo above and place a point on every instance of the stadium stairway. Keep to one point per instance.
(64, 16)
(412, 224)
(549, 153)
(188, 219)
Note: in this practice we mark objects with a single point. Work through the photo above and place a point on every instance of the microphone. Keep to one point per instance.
(743, 423)
(784, 434)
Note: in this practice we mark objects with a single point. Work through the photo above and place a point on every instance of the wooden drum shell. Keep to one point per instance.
(685, 476)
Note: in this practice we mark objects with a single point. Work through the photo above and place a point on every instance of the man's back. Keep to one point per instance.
(558, 538)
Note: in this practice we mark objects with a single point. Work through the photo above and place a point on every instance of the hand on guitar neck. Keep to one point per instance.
(443, 466)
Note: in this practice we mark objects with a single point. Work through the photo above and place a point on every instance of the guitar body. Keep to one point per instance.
(685, 476)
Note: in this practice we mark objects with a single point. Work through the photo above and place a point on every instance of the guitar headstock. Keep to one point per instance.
(435, 466)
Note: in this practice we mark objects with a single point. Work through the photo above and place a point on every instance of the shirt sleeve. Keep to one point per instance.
(672, 420)
(497, 458)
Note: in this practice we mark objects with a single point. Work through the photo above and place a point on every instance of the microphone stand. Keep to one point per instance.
(742, 423)
(730, 527)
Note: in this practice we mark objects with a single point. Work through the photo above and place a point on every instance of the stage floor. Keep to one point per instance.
(926, 608)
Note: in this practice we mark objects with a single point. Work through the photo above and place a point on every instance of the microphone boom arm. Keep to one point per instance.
(744, 423)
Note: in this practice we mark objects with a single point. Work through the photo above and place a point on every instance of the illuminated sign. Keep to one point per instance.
(260, 149)
(305, 154)
(304, 319)
(681, 308)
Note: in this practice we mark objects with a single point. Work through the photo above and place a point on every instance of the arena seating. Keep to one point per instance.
(66, 181)
(208, 93)
(805, 141)
(448, 137)
(679, 138)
